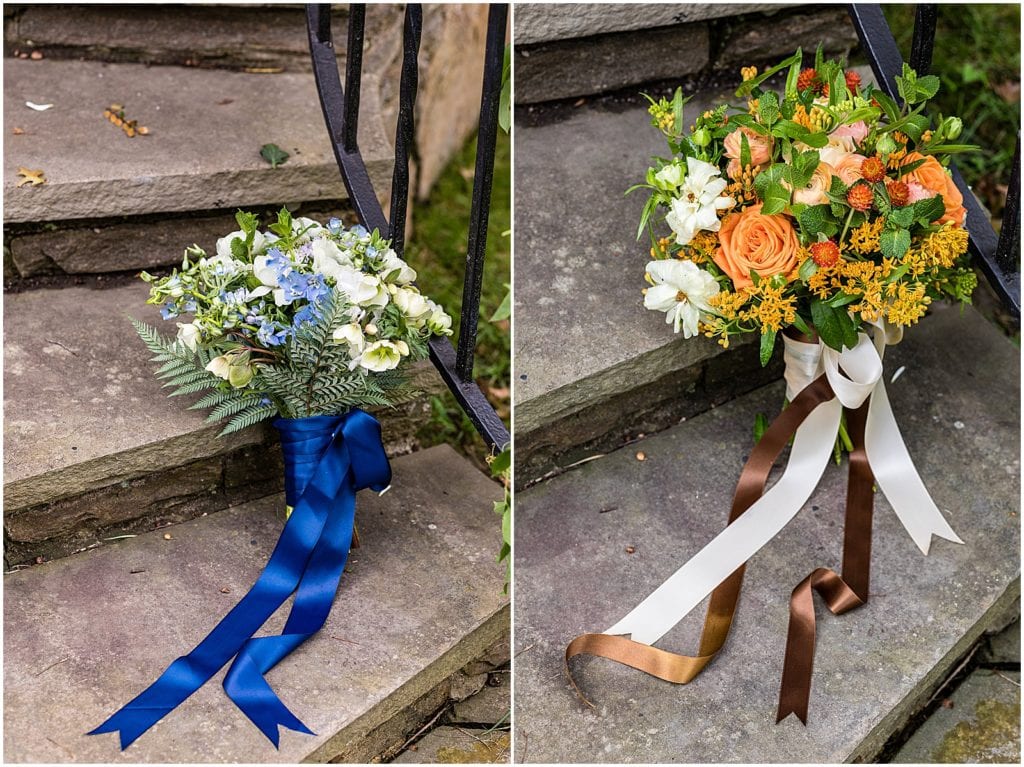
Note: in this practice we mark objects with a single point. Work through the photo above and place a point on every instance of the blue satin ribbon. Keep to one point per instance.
(327, 460)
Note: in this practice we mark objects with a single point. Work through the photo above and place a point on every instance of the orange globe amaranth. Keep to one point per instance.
(873, 170)
(825, 254)
(750, 240)
(899, 193)
(860, 197)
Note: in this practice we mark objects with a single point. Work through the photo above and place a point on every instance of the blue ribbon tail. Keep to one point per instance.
(327, 460)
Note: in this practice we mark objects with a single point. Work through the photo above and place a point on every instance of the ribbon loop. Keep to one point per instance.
(327, 459)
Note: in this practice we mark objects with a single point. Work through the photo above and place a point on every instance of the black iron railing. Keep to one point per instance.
(341, 111)
(998, 256)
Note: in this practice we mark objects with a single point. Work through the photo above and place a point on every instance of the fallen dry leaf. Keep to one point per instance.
(631, 549)
(33, 177)
(19, 131)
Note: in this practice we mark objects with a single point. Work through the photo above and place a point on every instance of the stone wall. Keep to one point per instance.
(568, 51)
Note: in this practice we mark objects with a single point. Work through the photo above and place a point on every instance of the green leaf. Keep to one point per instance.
(818, 219)
(767, 347)
(504, 310)
(768, 108)
(744, 150)
(802, 168)
(760, 426)
(808, 269)
(929, 209)
(902, 217)
(816, 140)
(927, 87)
(273, 154)
(827, 323)
(841, 299)
(894, 242)
(892, 111)
(501, 463)
(748, 86)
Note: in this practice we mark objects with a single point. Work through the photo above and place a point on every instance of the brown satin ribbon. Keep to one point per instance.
(841, 594)
(681, 669)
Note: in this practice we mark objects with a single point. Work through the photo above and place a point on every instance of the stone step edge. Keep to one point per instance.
(345, 745)
(175, 484)
(641, 406)
(997, 616)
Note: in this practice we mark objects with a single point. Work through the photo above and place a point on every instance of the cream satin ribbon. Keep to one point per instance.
(854, 374)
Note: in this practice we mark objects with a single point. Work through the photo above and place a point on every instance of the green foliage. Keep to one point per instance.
(977, 60)
(505, 100)
(501, 470)
(273, 154)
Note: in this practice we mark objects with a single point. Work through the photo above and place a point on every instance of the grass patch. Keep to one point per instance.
(977, 57)
(437, 250)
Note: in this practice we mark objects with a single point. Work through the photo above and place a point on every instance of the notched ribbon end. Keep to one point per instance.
(783, 713)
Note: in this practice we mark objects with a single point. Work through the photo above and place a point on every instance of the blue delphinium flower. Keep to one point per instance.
(316, 288)
(190, 306)
(359, 231)
(169, 311)
(293, 286)
(271, 334)
(334, 225)
(308, 313)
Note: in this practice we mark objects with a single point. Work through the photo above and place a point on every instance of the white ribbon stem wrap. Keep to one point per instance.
(895, 474)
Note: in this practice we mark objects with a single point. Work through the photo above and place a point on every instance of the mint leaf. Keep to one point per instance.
(894, 242)
(818, 219)
(929, 209)
(902, 217)
(768, 108)
(826, 322)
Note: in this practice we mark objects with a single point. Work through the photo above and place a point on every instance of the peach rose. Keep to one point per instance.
(933, 177)
(814, 192)
(749, 240)
(760, 146)
(848, 136)
(845, 164)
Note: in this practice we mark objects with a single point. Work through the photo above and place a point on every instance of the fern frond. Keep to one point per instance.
(249, 417)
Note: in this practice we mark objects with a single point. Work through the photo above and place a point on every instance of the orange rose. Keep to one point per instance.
(933, 177)
(749, 240)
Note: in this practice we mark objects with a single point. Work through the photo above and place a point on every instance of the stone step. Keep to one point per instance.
(226, 36)
(617, 527)
(568, 51)
(420, 599)
(202, 152)
(593, 366)
(93, 447)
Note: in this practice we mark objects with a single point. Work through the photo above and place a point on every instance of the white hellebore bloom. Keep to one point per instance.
(224, 244)
(383, 355)
(188, 334)
(413, 305)
(362, 289)
(263, 273)
(328, 258)
(682, 290)
(439, 322)
(352, 335)
(220, 367)
(391, 262)
(696, 208)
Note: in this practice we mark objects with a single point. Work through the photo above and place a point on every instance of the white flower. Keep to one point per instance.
(696, 208)
(670, 176)
(362, 289)
(352, 335)
(413, 305)
(188, 334)
(313, 228)
(391, 262)
(264, 273)
(439, 322)
(328, 258)
(220, 367)
(382, 355)
(224, 244)
(682, 291)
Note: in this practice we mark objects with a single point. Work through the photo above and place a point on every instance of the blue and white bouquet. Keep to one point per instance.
(310, 324)
(299, 320)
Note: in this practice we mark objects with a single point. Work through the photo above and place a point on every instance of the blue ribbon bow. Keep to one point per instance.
(327, 460)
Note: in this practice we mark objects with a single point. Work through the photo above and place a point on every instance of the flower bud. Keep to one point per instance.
(952, 127)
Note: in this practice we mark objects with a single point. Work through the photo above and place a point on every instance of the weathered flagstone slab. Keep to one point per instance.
(91, 441)
(202, 152)
(981, 726)
(421, 598)
(957, 403)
